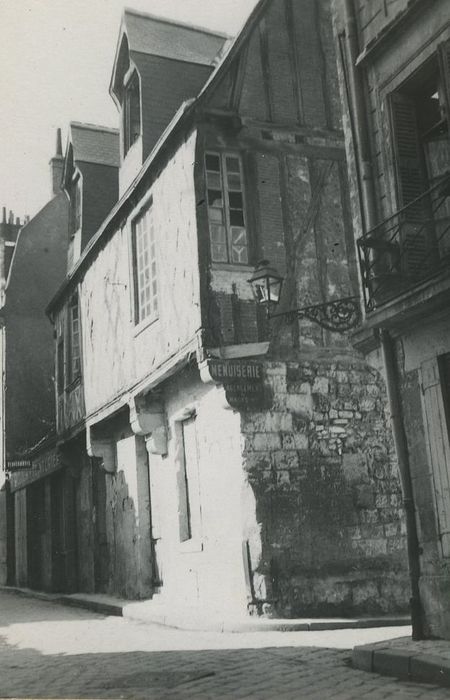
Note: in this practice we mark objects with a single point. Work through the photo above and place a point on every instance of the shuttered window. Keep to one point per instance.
(408, 156)
(419, 112)
(435, 375)
(411, 182)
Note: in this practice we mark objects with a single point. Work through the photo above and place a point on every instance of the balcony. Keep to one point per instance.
(408, 247)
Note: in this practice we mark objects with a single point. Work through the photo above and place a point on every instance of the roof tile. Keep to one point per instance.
(95, 144)
(160, 37)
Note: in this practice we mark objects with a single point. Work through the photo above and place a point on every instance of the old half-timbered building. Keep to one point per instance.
(32, 267)
(217, 462)
(42, 492)
(233, 464)
(396, 63)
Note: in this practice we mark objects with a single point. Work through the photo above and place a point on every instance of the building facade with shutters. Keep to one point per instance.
(395, 77)
(212, 461)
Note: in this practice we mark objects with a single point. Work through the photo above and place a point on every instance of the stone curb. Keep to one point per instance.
(130, 610)
(403, 663)
(97, 606)
(93, 605)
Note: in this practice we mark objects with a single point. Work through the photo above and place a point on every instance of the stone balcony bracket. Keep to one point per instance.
(148, 420)
(101, 449)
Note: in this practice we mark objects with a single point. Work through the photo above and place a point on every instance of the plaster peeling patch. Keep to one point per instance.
(223, 281)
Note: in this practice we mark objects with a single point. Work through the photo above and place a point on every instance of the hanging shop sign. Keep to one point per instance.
(14, 465)
(243, 381)
(40, 466)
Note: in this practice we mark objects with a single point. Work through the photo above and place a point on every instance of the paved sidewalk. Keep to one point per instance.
(425, 661)
(150, 611)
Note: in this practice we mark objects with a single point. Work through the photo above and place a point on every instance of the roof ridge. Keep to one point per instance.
(94, 127)
(177, 23)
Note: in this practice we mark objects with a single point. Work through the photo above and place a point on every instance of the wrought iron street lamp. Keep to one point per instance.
(339, 315)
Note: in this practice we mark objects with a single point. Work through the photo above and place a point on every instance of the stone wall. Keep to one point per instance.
(323, 470)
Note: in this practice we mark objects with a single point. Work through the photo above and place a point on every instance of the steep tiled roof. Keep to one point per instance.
(95, 144)
(168, 39)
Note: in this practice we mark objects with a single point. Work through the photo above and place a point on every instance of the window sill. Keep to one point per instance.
(232, 267)
(191, 547)
(143, 325)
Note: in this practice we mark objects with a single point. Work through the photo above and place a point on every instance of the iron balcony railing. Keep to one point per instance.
(408, 247)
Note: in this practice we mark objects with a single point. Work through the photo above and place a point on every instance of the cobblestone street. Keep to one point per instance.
(51, 651)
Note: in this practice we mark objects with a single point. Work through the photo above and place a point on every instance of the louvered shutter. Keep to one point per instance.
(411, 182)
(444, 66)
(434, 380)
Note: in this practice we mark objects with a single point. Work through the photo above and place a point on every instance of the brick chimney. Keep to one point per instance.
(56, 166)
(9, 230)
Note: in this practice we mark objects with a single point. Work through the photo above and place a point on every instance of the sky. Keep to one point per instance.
(56, 62)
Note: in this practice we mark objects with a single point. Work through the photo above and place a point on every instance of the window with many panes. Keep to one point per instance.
(60, 366)
(74, 345)
(226, 208)
(146, 283)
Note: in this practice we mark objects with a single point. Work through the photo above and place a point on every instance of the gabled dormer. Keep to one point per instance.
(159, 64)
(90, 181)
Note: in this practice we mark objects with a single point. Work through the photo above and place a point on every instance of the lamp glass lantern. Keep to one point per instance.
(266, 283)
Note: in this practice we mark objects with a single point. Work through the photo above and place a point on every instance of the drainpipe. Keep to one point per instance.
(401, 448)
(358, 117)
(360, 130)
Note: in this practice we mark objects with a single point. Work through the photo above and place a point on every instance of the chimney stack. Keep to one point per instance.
(56, 166)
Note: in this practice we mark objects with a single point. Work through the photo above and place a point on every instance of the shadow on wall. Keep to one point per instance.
(87, 530)
(323, 470)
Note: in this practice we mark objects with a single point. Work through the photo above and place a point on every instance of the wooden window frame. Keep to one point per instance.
(419, 115)
(75, 203)
(73, 341)
(131, 112)
(147, 312)
(226, 208)
(408, 96)
(60, 365)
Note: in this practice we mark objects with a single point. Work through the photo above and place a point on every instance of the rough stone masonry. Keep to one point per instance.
(323, 469)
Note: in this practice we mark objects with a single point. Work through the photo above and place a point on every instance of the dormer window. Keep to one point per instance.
(131, 112)
(74, 192)
(75, 205)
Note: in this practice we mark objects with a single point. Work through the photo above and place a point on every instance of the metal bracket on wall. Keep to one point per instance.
(340, 315)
